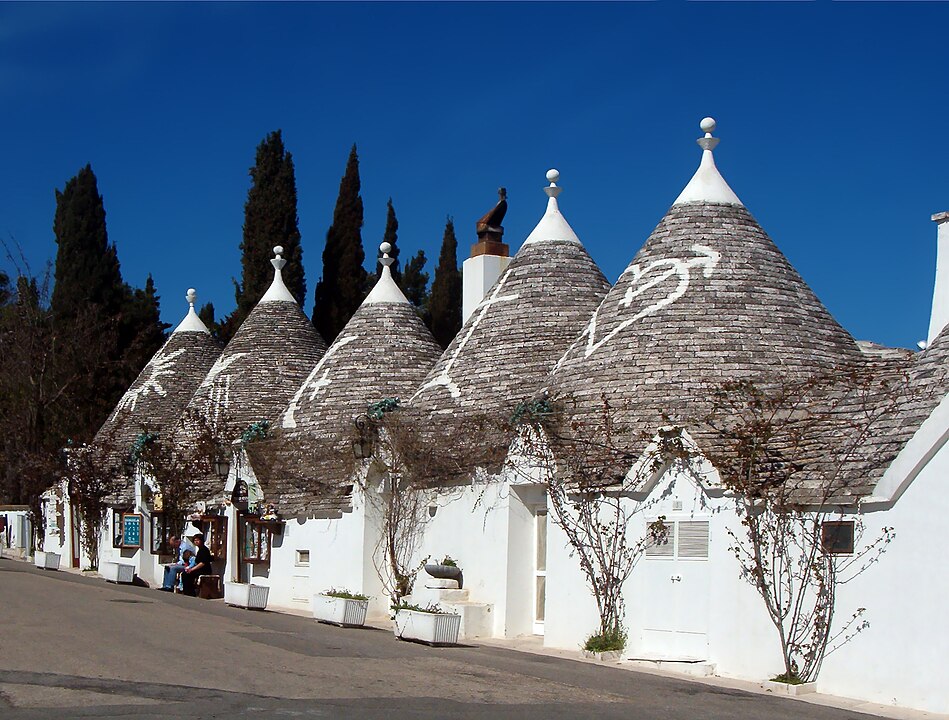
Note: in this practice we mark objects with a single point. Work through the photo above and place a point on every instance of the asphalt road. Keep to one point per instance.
(79, 647)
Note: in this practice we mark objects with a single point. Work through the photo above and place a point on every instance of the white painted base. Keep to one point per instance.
(252, 597)
(340, 611)
(117, 572)
(692, 669)
(47, 560)
(431, 628)
(780, 688)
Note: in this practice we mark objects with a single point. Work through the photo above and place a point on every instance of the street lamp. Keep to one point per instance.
(222, 466)
(362, 445)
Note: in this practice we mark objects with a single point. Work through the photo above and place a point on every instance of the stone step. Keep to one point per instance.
(477, 619)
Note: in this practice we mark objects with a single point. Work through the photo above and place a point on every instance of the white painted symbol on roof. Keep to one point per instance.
(219, 388)
(443, 379)
(289, 418)
(159, 367)
(646, 278)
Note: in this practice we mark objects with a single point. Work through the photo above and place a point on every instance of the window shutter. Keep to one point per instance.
(666, 548)
(693, 538)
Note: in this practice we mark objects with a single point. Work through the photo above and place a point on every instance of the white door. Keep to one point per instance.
(676, 574)
(540, 570)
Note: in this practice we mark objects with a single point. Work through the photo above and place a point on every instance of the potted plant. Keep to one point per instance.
(789, 684)
(46, 560)
(447, 569)
(246, 595)
(430, 624)
(341, 607)
(605, 647)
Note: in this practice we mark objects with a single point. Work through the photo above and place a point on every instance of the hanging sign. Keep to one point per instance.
(239, 496)
(132, 530)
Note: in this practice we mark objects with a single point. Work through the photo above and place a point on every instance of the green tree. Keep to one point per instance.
(391, 236)
(415, 283)
(141, 331)
(87, 265)
(444, 303)
(270, 219)
(342, 287)
(206, 315)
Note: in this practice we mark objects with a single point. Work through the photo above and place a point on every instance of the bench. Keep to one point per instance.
(209, 587)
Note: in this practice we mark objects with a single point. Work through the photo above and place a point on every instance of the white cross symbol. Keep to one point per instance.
(444, 378)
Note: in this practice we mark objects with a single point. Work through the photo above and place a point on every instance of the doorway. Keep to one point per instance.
(75, 548)
(676, 571)
(540, 569)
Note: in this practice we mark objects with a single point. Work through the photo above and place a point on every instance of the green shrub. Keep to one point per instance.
(605, 642)
(433, 609)
(788, 678)
(345, 594)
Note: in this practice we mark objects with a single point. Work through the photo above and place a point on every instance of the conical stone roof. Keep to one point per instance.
(263, 364)
(708, 298)
(524, 324)
(384, 351)
(162, 390)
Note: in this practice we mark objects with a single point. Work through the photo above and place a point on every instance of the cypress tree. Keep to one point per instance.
(270, 219)
(92, 305)
(342, 287)
(444, 304)
(206, 315)
(415, 280)
(391, 236)
(87, 266)
(142, 332)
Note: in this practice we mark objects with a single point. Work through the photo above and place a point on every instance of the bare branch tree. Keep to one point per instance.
(589, 475)
(793, 454)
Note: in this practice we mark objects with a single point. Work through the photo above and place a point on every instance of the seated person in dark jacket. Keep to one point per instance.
(202, 566)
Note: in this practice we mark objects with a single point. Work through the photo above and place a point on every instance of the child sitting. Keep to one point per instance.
(188, 559)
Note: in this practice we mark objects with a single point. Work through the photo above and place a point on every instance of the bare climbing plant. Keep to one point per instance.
(178, 462)
(93, 475)
(790, 454)
(590, 473)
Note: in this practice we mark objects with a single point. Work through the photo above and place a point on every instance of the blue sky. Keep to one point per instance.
(833, 120)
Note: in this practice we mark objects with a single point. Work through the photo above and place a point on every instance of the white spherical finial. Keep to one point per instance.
(385, 248)
(278, 250)
(553, 175)
(191, 295)
(707, 125)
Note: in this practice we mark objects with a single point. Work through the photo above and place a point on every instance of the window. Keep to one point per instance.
(684, 540)
(161, 530)
(256, 536)
(116, 528)
(214, 528)
(837, 537)
(303, 558)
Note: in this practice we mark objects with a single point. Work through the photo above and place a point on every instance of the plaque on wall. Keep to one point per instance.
(131, 530)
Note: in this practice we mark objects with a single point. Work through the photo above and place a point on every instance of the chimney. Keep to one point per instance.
(939, 317)
(489, 258)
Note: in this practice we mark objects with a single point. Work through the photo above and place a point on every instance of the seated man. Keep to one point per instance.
(172, 571)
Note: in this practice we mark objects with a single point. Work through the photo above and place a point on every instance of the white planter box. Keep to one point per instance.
(252, 597)
(46, 560)
(605, 656)
(431, 628)
(117, 572)
(340, 611)
(780, 688)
